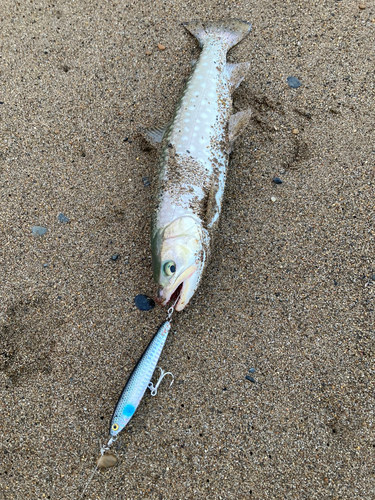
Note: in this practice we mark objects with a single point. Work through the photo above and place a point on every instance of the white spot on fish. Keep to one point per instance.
(184, 138)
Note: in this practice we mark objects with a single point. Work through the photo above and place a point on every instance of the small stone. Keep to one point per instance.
(148, 52)
(282, 171)
(250, 378)
(107, 460)
(63, 218)
(115, 257)
(45, 265)
(38, 230)
(144, 303)
(277, 180)
(295, 131)
(146, 182)
(273, 199)
(252, 370)
(161, 47)
(293, 82)
(362, 5)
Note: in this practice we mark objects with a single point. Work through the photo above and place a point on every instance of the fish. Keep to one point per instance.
(194, 153)
(138, 382)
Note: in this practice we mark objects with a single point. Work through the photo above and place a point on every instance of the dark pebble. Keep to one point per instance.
(45, 265)
(252, 370)
(115, 257)
(144, 303)
(277, 180)
(1, 102)
(146, 182)
(126, 139)
(63, 218)
(293, 82)
(250, 378)
(38, 230)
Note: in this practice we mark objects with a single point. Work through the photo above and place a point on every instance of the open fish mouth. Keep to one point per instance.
(177, 291)
(169, 298)
(176, 294)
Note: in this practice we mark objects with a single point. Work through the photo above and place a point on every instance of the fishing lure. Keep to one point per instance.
(139, 381)
(137, 384)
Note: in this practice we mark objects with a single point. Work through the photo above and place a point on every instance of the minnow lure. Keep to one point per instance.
(195, 148)
(139, 381)
(137, 384)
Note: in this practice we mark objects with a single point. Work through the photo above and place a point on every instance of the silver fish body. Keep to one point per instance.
(193, 162)
(138, 381)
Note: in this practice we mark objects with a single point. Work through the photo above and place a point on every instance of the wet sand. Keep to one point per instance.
(289, 289)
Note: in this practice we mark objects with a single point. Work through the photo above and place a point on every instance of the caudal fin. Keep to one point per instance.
(230, 31)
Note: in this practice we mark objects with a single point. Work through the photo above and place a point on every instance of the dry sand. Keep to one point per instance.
(289, 290)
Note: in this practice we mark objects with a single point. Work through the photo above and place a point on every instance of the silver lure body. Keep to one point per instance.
(138, 381)
(194, 158)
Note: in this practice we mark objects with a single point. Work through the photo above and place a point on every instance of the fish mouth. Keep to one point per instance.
(176, 291)
(176, 294)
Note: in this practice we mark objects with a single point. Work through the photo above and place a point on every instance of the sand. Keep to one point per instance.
(289, 289)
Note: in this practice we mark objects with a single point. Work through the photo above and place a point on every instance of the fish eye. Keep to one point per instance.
(115, 427)
(169, 268)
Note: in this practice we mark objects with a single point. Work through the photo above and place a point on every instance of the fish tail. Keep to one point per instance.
(230, 31)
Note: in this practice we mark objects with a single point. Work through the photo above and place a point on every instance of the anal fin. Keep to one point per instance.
(236, 73)
(237, 123)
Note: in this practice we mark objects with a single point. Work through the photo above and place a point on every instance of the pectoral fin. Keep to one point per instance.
(237, 123)
(154, 135)
(236, 73)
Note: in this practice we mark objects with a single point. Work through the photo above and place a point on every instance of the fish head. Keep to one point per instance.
(179, 252)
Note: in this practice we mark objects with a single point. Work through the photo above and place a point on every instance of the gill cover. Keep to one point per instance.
(179, 252)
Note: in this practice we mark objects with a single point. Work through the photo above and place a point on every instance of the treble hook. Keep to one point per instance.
(154, 389)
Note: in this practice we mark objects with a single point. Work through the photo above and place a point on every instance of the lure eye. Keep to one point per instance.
(169, 268)
(115, 427)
